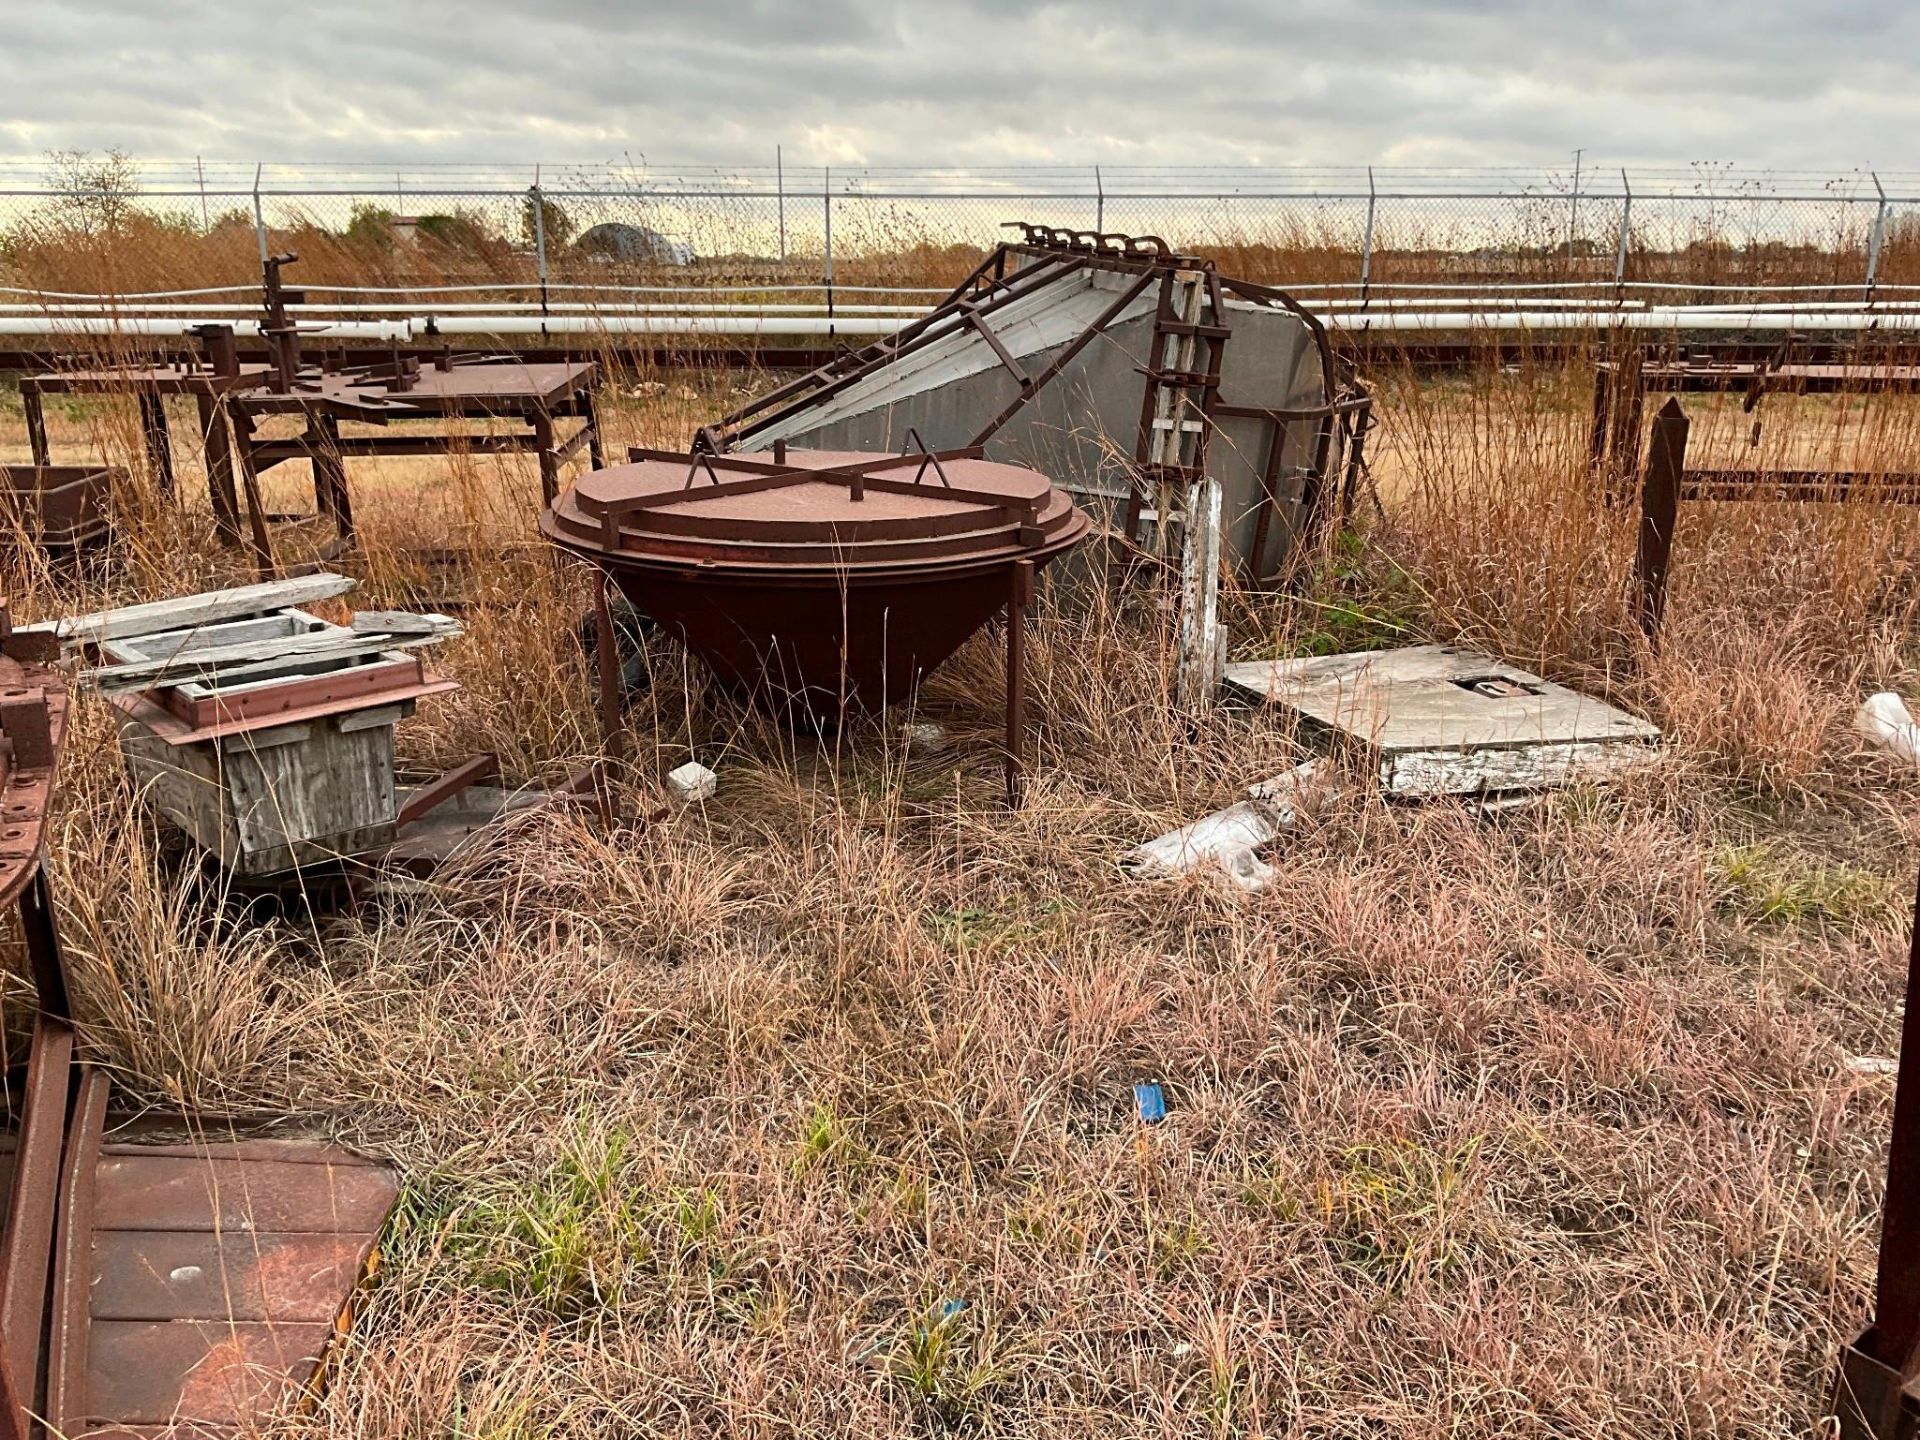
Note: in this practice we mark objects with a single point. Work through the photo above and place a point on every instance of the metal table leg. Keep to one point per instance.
(156, 437)
(217, 445)
(33, 404)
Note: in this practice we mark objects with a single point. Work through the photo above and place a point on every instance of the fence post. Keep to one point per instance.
(826, 200)
(1879, 236)
(1099, 202)
(1659, 508)
(1626, 229)
(539, 202)
(780, 198)
(1366, 242)
(259, 216)
(200, 170)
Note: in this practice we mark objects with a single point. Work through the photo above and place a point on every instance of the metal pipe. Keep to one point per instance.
(168, 326)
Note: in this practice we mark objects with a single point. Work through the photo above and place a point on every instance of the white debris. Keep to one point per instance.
(1229, 839)
(1872, 1065)
(923, 737)
(692, 782)
(1885, 720)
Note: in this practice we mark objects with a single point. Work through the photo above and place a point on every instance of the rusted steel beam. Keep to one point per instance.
(1874, 1390)
(1659, 510)
(31, 1207)
(436, 792)
(69, 1309)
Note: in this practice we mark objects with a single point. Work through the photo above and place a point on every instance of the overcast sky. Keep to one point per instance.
(968, 82)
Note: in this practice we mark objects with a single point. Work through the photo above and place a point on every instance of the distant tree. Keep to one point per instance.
(557, 223)
(96, 193)
(459, 231)
(370, 226)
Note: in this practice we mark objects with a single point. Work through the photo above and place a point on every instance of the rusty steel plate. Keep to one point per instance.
(815, 582)
(216, 1275)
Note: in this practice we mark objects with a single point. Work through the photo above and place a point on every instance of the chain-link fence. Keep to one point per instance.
(108, 225)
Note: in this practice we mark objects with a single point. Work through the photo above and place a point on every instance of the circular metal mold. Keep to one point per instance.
(817, 579)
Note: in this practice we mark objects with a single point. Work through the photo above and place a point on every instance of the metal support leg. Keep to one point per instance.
(613, 731)
(596, 453)
(1019, 596)
(217, 445)
(1873, 1391)
(250, 484)
(330, 470)
(43, 946)
(542, 424)
(33, 405)
(1361, 421)
(157, 439)
(1255, 568)
(1602, 428)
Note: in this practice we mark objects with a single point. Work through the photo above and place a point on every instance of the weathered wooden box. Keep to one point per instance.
(276, 764)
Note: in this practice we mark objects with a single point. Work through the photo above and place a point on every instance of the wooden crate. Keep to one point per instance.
(266, 801)
(279, 755)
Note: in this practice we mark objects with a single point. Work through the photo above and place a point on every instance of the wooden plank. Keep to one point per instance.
(399, 622)
(213, 661)
(201, 1275)
(150, 1372)
(202, 609)
(142, 1192)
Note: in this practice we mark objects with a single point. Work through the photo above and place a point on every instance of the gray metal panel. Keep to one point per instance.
(1081, 429)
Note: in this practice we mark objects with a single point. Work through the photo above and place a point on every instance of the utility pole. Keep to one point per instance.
(1573, 211)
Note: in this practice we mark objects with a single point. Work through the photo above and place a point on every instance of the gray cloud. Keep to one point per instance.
(968, 82)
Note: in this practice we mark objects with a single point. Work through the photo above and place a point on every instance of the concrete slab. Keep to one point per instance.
(1445, 720)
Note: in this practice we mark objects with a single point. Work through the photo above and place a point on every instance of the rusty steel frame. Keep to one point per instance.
(207, 378)
(1666, 481)
(1621, 388)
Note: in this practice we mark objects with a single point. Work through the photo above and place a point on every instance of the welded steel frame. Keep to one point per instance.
(1041, 257)
(208, 378)
(1667, 480)
(1621, 387)
(322, 401)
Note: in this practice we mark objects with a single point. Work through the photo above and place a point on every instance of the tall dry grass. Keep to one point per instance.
(809, 1110)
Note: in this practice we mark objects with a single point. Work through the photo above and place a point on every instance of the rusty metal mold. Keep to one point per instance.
(58, 508)
(817, 581)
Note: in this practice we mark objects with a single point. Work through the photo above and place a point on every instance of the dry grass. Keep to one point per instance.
(809, 1111)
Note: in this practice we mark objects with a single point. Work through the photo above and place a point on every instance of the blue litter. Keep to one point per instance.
(1150, 1102)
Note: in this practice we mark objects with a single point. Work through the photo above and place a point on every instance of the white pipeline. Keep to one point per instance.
(1438, 319)
(175, 326)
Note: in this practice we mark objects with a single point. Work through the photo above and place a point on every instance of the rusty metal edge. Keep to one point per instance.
(31, 1204)
(69, 1319)
(170, 728)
